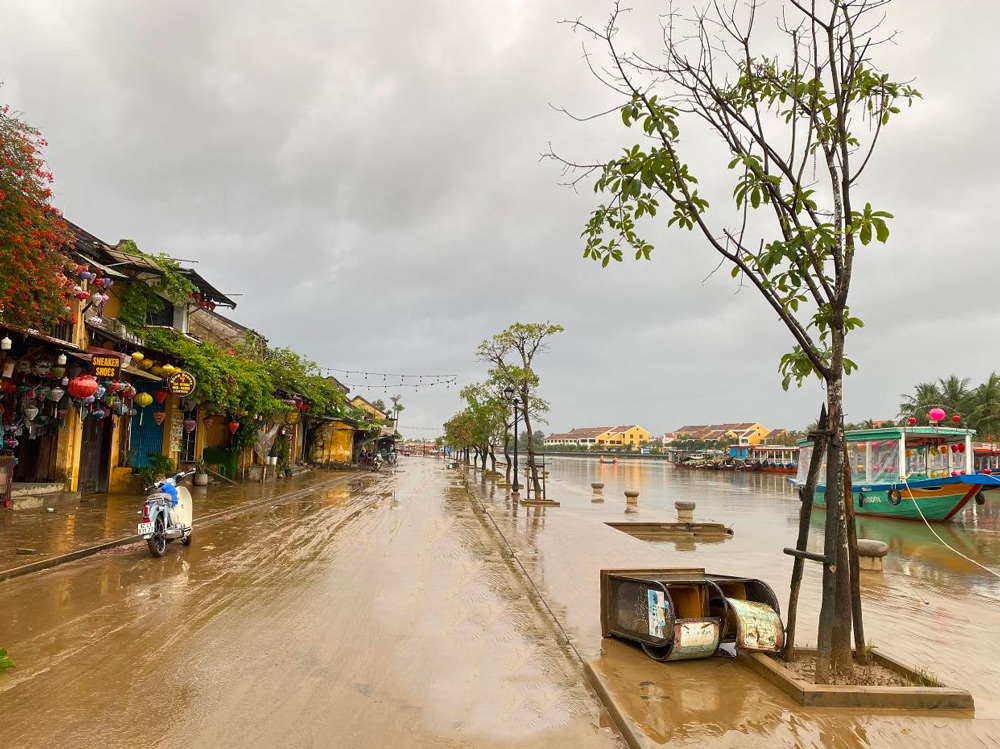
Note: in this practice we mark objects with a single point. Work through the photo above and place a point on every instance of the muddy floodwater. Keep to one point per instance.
(394, 610)
(929, 607)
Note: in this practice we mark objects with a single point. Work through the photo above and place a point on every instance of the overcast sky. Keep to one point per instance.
(367, 176)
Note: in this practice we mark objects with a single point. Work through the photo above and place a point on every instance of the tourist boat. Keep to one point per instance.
(906, 472)
(605, 460)
(775, 458)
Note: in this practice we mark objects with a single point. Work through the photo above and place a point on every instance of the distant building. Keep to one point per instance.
(358, 402)
(744, 432)
(620, 436)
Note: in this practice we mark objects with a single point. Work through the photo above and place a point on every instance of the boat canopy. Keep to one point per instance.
(889, 455)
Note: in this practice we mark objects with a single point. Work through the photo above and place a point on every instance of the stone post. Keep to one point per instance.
(685, 512)
(871, 553)
(598, 488)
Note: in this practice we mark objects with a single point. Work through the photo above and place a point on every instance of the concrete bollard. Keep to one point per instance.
(685, 511)
(598, 492)
(870, 554)
(632, 497)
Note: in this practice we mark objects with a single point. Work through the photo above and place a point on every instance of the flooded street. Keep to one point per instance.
(929, 608)
(384, 610)
(374, 613)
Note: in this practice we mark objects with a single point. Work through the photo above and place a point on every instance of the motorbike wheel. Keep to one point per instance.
(187, 539)
(157, 542)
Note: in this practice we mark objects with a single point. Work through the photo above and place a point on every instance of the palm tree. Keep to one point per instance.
(984, 415)
(955, 394)
(926, 395)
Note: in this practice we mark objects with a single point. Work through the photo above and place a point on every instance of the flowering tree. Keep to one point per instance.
(32, 232)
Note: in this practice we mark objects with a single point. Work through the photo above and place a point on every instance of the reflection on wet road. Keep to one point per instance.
(374, 614)
(930, 607)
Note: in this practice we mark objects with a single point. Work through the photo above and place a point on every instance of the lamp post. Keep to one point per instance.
(509, 392)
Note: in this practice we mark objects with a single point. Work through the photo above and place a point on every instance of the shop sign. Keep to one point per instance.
(176, 435)
(291, 417)
(105, 365)
(181, 384)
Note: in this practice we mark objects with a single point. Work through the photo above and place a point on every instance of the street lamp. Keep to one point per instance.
(509, 393)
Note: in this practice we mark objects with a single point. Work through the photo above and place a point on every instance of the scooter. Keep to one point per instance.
(377, 461)
(167, 515)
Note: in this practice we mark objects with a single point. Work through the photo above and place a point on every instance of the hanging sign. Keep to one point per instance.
(105, 365)
(181, 384)
(291, 417)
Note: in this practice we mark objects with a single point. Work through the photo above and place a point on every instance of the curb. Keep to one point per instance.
(207, 520)
(632, 738)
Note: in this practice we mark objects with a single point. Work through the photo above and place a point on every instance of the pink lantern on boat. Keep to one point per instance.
(936, 414)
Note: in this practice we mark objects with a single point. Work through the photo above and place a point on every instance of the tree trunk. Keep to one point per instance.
(493, 459)
(531, 446)
(834, 637)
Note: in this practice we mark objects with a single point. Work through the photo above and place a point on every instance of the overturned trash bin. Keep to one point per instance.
(679, 614)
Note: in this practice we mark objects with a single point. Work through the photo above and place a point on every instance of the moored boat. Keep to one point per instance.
(605, 460)
(907, 472)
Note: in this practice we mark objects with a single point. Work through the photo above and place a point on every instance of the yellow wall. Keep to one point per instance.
(634, 437)
(758, 435)
(334, 444)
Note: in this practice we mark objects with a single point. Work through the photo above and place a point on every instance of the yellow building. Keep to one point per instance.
(358, 402)
(626, 435)
(742, 432)
(332, 444)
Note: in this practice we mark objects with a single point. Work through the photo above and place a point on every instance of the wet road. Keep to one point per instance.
(929, 608)
(369, 614)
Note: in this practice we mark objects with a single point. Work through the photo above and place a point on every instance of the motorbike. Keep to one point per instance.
(392, 460)
(168, 515)
(377, 461)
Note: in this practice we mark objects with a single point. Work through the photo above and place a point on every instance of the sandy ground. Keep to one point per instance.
(378, 613)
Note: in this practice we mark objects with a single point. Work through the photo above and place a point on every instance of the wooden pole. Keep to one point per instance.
(806, 494)
(860, 650)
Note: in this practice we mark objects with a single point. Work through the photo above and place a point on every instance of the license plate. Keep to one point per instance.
(145, 529)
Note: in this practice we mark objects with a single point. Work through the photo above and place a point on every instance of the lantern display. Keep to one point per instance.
(189, 425)
(56, 394)
(159, 417)
(143, 399)
(936, 414)
(233, 426)
(31, 412)
(83, 386)
(956, 418)
(161, 395)
(137, 356)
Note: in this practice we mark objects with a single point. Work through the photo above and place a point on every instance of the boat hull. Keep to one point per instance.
(938, 503)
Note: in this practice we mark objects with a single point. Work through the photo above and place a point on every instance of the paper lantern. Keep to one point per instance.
(99, 413)
(158, 370)
(954, 448)
(169, 369)
(89, 399)
(159, 416)
(988, 471)
(82, 386)
(189, 425)
(56, 394)
(233, 426)
(956, 418)
(961, 447)
(143, 399)
(137, 356)
(936, 414)
(911, 421)
(31, 412)
(146, 363)
(161, 395)
(57, 372)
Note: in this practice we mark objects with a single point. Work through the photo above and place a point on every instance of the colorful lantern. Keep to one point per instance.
(89, 399)
(142, 400)
(159, 417)
(233, 426)
(137, 356)
(954, 448)
(161, 395)
(31, 412)
(956, 418)
(936, 414)
(81, 387)
(911, 421)
(56, 394)
(189, 425)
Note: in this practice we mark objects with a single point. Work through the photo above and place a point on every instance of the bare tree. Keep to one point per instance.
(798, 123)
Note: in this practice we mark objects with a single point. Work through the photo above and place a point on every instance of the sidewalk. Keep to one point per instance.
(98, 518)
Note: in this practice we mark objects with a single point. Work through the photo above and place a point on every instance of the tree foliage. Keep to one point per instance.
(34, 291)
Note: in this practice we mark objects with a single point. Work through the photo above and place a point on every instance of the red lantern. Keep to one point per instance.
(956, 418)
(233, 426)
(160, 395)
(83, 386)
(954, 448)
(988, 471)
(911, 421)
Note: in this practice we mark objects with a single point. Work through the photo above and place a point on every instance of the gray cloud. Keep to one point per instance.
(367, 176)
